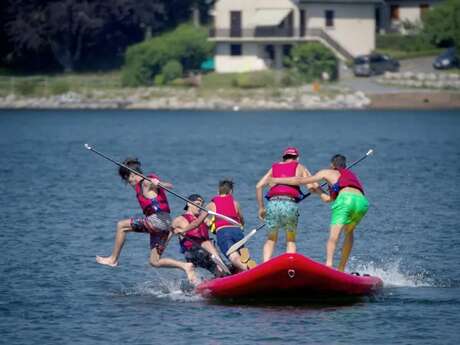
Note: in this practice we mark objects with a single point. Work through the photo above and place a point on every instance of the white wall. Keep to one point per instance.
(250, 60)
(354, 24)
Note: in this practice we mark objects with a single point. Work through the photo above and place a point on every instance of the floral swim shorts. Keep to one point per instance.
(282, 214)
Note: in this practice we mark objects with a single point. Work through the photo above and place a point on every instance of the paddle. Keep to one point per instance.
(246, 238)
(240, 243)
(228, 219)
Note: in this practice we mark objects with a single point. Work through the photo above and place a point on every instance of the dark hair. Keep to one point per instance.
(225, 186)
(193, 198)
(286, 157)
(132, 163)
(339, 162)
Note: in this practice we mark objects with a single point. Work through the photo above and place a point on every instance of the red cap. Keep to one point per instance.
(291, 151)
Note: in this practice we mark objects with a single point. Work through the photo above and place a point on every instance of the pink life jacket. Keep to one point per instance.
(225, 205)
(284, 170)
(151, 206)
(193, 237)
(347, 179)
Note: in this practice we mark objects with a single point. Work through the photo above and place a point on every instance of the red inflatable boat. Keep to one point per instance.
(290, 276)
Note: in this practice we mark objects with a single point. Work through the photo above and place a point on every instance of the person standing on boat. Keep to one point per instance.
(156, 220)
(348, 204)
(227, 233)
(195, 244)
(282, 209)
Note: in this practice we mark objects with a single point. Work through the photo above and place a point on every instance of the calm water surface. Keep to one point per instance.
(59, 206)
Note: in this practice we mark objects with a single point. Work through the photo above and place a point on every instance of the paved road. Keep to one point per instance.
(368, 84)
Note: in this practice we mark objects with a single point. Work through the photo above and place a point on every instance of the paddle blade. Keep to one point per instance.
(241, 242)
(370, 152)
(87, 146)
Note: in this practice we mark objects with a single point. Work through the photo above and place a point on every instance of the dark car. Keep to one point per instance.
(374, 64)
(447, 59)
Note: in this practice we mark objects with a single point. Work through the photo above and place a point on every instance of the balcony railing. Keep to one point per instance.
(250, 33)
(275, 32)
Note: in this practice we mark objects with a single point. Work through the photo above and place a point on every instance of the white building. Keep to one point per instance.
(257, 34)
(394, 15)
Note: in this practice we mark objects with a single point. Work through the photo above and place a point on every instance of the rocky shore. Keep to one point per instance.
(262, 99)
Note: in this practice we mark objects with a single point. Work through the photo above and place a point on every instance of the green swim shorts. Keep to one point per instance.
(349, 208)
(282, 214)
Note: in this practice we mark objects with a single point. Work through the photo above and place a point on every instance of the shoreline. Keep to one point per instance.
(254, 100)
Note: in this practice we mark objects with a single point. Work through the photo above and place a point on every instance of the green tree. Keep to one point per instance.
(311, 60)
(442, 24)
(187, 44)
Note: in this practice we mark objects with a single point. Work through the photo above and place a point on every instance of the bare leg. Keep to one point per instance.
(269, 247)
(187, 267)
(332, 243)
(123, 227)
(236, 261)
(347, 246)
(291, 247)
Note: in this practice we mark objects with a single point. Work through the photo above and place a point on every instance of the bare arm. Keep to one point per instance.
(178, 224)
(240, 214)
(259, 193)
(304, 172)
(297, 181)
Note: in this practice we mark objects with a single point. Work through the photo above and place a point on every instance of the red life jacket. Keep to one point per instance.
(284, 170)
(151, 206)
(347, 179)
(193, 237)
(225, 205)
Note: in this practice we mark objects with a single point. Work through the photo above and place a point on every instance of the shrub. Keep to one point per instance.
(159, 80)
(59, 87)
(311, 60)
(254, 80)
(186, 45)
(26, 87)
(442, 24)
(407, 43)
(172, 70)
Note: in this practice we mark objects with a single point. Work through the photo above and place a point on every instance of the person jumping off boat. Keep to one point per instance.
(195, 244)
(348, 203)
(156, 220)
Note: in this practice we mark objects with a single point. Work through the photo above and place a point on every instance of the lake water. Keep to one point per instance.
(60, 203)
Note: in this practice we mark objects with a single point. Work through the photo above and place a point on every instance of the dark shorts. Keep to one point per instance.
(227, 237)
(201, 258)
(157, 225)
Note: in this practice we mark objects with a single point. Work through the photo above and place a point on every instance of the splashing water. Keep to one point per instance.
(392, 275)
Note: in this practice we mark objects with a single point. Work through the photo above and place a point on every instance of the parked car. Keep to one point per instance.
(447, 59)
(374, 64)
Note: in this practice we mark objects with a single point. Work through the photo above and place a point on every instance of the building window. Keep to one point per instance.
(424, 9)
(329, 14)
(236, 50)
(270, 52)
(235, 24)
(394, 12)
(303, 21)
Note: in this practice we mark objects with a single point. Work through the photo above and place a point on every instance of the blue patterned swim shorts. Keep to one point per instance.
(282, 214)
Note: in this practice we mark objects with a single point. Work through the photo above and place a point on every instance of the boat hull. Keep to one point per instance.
(290, 276)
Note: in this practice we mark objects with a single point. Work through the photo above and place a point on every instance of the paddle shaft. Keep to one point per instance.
(160, 185)
(304, 196)
(246, 238)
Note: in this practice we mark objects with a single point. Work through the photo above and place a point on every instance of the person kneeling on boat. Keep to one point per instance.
(348, 204)
(227, 233)
(282, 209)
(195, 243)
(156, 220)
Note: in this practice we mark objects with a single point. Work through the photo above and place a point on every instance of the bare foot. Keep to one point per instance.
(190, 271)
(108, 261)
